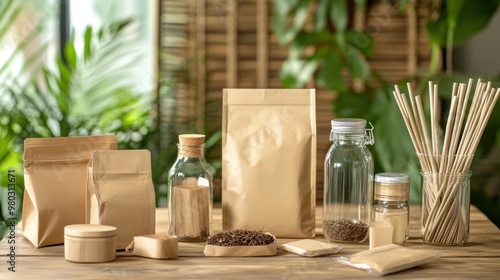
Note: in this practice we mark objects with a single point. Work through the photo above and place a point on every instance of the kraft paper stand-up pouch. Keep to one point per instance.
(54, 179)
(269, 161)
(120, 193)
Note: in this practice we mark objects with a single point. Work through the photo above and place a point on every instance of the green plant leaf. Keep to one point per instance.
(351, 104)
(472, 18)
(87, 43)
(321, 15)
(295, 73)
(361, 4)
(118, 26)
(284, 8)
(70, 54)
(339, 15)
(330, 75)
(30, 62)
(48, 79)
(5, 7)
(284, 28)
(306, 39)
(361, 41)
(9, 11)
(340, 40)
(100, 34)
(454, 9)
(64, 79)
(213, 139)
(357, 64)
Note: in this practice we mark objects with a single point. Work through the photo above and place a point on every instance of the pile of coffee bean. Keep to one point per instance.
(345, 230)
(241, 237)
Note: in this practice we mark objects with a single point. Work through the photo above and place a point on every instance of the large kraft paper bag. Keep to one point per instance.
(269, 161)
(120, 193)
(55, 172)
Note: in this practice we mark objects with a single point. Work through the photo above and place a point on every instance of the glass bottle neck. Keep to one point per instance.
(354, 139)
(191, 151)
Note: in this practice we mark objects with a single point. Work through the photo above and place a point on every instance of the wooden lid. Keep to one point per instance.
(89, 230)
(392, 186)
(191, 139)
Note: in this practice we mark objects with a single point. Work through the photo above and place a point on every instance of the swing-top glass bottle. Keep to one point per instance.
(348, 182)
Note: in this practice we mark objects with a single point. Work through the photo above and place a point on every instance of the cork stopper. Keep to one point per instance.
(191, 139)
(392, 187)
(191, 145)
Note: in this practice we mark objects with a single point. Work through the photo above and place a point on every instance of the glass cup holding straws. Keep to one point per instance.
(445, 206)
(446, 162)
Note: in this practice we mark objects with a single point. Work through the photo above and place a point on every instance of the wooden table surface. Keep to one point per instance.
(478, 259)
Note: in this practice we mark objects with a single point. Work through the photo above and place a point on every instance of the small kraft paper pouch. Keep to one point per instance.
(120, 193)
(154, 246)
(269, 161)
(54, 182)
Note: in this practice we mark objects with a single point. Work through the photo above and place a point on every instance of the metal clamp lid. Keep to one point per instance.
(369, 138)
(351, 126)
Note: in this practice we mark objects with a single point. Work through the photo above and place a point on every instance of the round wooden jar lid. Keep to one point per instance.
(392, 186)
(89, 230)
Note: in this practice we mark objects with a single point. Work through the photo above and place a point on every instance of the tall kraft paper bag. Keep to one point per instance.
(55, 172)
(269, 161)
(120, 193)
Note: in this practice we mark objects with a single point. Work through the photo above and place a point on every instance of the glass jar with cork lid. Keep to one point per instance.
(190, 191)
(391, 194)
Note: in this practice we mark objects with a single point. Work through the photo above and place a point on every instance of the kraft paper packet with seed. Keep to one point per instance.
(54, 179)
(269, 161)
(120, 193)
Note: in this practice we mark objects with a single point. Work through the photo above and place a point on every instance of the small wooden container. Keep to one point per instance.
(89, 243)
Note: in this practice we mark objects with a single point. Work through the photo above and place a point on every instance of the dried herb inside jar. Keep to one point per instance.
(345, 230)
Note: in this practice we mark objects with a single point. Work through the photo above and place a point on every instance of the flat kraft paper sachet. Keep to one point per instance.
(54, 178)
(269, 161)
(390, 258)
(120, 193)
(310, 248)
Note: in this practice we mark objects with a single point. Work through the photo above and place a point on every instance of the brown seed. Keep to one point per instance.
(241, 237)
(345, 230)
